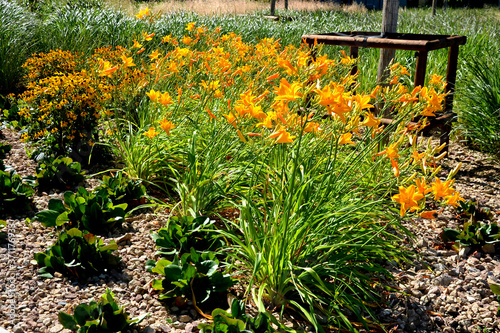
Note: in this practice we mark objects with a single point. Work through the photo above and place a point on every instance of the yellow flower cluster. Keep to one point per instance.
(411, 197)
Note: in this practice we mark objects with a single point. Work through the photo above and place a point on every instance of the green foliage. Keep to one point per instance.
(60, 172)
(105, 316)
(15, 195)
(11, 117)
(479, 114)
(77, 254)
(478, 231)
(121, 189)
(18, 40)
(495, 289)
(3, 235)
(93, 211)
(237, 321)
(4, 149)
(193, 275)
(184, 233)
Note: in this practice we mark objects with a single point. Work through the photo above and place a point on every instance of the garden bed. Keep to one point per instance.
(440, 292)
(264, 181)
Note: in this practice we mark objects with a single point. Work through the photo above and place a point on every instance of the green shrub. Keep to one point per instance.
(105, 316)
(184, 233)
(123, 190)
(77, 254)
(94, 212)
(4, 149)
(15, 195)
(60, 172)
(193, 275)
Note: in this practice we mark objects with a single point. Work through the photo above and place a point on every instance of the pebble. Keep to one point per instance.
(57, 328)
(185, 319)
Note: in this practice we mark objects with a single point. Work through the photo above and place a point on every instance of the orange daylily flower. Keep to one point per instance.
(417, 156)
(153, 95)
(165, 99)
(143, 13)
(127, 61)
(107, 69)
(363, 102)
(210, 86)
(231, 119)
(345, 139)
(148, 37)
(187, 40)
(283, 136)
(151, 133)
(407, 198)
(154, 55)
(370, 120)
(190, 26)
(267, 122)
(436, 79)
(166, 39)
(441, 189)
(422, 186)
(429, 215)
(391, 151)
(287, 91)
(137, 44)
(453, 199)
(312, 127)
(166, 125)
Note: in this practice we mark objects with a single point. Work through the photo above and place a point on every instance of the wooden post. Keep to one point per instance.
(273, 7)
(354, 52)
(389, 24)
(286, 4)
(420, 68)
(434, 7)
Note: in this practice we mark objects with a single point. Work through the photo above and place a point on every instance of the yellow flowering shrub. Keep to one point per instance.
(67, 93)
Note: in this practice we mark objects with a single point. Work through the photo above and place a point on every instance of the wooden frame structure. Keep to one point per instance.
(421, 43)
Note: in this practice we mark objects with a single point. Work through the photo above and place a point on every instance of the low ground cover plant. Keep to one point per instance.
(61, 172)
(194, 275)
(237, 320)
(185, 233)
(90, 211)
(104, 316)
(77, 254)
(121, 189)
(477, 230)
(16, 194)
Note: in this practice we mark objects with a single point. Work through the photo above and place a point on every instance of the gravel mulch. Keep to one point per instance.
(441, 291)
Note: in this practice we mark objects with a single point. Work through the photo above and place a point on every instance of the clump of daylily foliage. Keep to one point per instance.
(283, 149)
